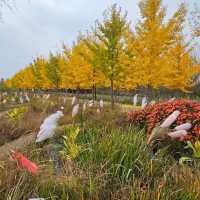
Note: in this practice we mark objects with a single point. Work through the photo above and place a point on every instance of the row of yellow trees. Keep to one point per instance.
(153, 54)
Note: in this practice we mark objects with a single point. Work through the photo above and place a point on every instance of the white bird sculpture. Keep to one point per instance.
(160, 133)
(48, 127)
(75, 110)
(170, 119)
(37, 199)
(177, 134)
(101, 104)
(48, 96)
(27, 98)
(21, 99)
(73, 101)
(144, 102)
(4, 101)
(186, 127)
(64, 100)
(135, 100)
(172, 99)
(90, 103)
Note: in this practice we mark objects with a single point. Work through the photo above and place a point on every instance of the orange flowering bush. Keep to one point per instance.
(153, 115)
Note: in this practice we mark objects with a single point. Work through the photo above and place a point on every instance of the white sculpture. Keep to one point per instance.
(48, 96)
(90, 103)
(64, 100)
(177, 134)
(75, 110)
(27, 98)
(135, 100)
(170, 119)
(98, 111)
(48, 127)
(144, 102)
(172, 99)
(186, 127)
(73, 101)
(101, 103)
(37, 199)
(4, 101)
(21, 100)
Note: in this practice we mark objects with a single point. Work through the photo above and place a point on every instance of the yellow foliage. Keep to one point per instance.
(155, 55)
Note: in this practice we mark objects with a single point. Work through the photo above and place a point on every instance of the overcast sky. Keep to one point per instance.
(36, 27)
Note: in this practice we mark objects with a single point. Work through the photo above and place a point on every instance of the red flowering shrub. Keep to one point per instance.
(153, 115)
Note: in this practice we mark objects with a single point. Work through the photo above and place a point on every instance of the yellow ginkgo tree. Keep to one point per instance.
(153, 49)
(108, 45)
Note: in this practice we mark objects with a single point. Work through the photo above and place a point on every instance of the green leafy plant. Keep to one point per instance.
(196, 149)
(71, 149)
(195, 152)
(17, 114)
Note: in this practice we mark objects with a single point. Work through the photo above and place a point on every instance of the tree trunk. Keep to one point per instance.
(112, 94)
(57, 96)
(93, 92)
